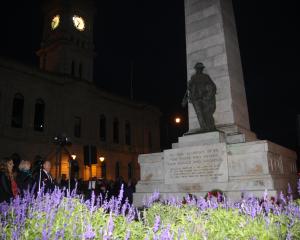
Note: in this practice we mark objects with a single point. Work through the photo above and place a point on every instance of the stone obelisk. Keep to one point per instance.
(230, 159)
(211, 38)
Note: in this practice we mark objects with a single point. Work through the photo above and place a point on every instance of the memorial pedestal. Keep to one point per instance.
(232, 160)
(233, 168)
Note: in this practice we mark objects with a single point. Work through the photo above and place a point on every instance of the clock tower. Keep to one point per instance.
(67, 46)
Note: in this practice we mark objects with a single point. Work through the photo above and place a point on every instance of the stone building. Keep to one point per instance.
(60, 99)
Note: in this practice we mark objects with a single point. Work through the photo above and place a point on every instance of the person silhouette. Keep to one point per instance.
(44, 179)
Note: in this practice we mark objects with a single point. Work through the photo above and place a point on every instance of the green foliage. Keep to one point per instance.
(71, 217)
(230, 224)
(220, 223)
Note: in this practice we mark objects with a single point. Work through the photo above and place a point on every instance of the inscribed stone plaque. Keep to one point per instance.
(200, 164)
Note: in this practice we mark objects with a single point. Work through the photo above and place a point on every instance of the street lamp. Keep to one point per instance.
(177, 120)
(101, 159)
(173, 125)
(73, 156)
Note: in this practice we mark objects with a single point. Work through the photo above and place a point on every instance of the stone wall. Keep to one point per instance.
(66, 98)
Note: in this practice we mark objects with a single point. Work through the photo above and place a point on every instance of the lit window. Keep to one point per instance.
(90, 154)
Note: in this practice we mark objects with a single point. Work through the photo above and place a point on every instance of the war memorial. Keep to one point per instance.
(219, 151)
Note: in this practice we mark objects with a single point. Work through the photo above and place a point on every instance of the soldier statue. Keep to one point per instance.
(201, 92)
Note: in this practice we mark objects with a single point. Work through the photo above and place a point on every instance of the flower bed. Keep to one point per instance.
(68, 216)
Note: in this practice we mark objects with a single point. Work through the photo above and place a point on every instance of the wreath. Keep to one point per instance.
(215, 193)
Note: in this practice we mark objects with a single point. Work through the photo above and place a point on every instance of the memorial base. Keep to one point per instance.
(200, 163)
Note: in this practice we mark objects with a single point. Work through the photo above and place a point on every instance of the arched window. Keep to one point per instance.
(17, 111)
(103, 170)
(127, 133)
(117, 170)
(39, 115)
(116, 131)
(102, 128)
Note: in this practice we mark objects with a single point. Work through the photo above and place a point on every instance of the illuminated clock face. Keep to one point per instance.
(78, 23)
(55, 22)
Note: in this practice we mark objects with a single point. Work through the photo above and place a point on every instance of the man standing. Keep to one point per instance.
(44, 178)
(201, 93)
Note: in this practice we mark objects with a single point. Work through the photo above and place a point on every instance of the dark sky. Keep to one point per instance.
(150, 34)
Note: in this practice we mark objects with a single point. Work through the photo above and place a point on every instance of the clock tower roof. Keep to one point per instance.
(67, 46)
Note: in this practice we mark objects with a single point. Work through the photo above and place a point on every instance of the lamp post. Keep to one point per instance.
(103, 168)
(72, 157)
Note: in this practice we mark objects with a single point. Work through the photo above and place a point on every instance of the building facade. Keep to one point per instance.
(60, 99)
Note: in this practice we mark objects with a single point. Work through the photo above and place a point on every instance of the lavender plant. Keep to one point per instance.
(65, 215)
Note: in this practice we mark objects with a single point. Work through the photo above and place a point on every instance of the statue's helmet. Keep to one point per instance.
(199, 65)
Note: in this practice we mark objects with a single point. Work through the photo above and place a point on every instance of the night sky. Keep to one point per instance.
(150, 36)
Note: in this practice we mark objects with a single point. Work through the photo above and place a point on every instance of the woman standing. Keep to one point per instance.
(8, 186)
(24, 177)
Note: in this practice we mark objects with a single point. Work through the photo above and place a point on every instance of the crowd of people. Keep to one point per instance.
(16, 178)
(107, 188)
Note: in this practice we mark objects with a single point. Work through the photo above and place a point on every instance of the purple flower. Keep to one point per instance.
(121, 193)
(110, 225)
(253, 212)
(132, 211)
(202, 203)
(290, 193)
(156, 224)
(289, 236)
(89, 233)
(110, 228)
(127, 237)
(92, 203)
(282, 198)
(154, 197)
(165, 234)
(179, 233)
(44, 234)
